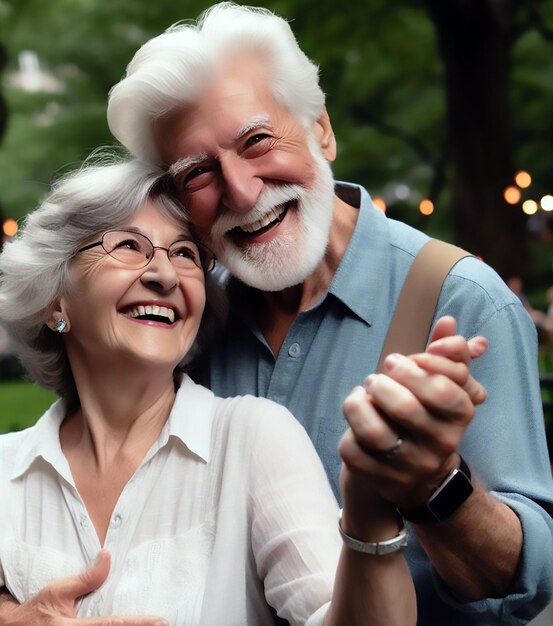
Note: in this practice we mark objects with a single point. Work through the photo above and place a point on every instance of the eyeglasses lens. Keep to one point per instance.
(127, 247)
(136, 250)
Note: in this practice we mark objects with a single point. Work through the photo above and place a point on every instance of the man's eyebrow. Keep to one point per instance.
(185, 162)
(255, 122)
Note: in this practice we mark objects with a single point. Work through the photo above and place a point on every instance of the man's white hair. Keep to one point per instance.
(173, 69)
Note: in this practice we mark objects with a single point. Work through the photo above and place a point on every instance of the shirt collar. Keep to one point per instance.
(190, 420)
(42, 441)
(356, 283)
(360, 291)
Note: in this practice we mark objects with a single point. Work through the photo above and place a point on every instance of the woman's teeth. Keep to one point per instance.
(142, 311)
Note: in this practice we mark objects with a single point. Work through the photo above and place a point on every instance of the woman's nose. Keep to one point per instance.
(160, 274)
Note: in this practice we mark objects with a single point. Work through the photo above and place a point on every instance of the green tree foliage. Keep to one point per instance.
(384, 68)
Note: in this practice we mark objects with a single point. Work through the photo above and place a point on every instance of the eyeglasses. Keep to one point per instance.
(136, 250)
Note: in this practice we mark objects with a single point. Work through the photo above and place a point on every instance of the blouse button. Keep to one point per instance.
(84, 521)
(116, 521)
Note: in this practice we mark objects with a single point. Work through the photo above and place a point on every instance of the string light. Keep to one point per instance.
(547, 203)
(426, 207)
(530, 207)
(9, 227)
(379, 202)
(511, 195)
(523, 179)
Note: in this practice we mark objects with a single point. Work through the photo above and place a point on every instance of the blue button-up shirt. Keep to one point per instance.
(332, 347)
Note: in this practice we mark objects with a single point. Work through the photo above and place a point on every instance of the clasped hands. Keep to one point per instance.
(406, 424)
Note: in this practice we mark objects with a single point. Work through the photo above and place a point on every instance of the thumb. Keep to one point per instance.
(88, 581)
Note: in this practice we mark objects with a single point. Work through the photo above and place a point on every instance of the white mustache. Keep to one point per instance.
(269, 199)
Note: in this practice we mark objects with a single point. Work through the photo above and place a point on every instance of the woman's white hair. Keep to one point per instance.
(34, 266)
(171, 71)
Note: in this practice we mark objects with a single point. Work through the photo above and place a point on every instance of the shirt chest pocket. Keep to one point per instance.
(28, 568)
(166, 577)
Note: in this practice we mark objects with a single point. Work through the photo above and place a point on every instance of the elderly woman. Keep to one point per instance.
(212, 509)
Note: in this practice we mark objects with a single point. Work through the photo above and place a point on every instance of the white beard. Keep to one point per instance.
(288, 259)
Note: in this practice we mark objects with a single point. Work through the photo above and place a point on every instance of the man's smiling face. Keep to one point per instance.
(256, 184)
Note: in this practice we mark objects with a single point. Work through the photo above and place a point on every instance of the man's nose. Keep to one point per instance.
(242, 186)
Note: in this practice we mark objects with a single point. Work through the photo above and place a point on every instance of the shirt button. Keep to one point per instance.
(116, 521)
(84, 521)
(294, 350)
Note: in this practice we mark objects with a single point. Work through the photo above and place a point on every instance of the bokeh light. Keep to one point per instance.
(523, 179)
(9, 227)
(530, 207)
(547, 203)
(426, 207)
(379, 202)
(512, 195)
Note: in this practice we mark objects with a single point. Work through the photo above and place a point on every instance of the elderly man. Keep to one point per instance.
(232, 108)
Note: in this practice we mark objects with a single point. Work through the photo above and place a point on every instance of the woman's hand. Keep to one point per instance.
(56, 604)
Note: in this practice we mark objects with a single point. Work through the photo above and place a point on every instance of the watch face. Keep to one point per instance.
(450, 496)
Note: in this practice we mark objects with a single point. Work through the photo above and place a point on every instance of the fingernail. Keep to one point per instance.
(395, 359)
(99, 556)
(368, 381)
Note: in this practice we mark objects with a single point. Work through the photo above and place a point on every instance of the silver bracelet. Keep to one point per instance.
(378, 547)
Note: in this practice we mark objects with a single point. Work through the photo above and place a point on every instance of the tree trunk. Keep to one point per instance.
(3, 108)
(475, 38)
(3, 122)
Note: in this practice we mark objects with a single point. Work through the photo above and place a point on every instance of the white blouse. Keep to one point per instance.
(230, 509)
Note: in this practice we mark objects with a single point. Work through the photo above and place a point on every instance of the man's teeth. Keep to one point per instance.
(269, 217)
(152, 309)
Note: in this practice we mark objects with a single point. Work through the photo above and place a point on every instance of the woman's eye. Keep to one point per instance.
(129, 244)
(186, 252)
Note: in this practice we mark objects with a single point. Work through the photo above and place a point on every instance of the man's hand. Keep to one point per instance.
(428, 401)
(56, 604)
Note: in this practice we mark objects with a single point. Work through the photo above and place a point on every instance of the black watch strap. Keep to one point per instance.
(447, 498)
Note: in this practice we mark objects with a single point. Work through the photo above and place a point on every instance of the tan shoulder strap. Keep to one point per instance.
(410, 326)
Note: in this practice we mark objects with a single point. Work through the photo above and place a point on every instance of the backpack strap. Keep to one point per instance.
(412, 319)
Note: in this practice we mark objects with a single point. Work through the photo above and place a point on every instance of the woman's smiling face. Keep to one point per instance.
(110, 307)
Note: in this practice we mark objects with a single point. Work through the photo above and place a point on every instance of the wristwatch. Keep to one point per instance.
(447, 498)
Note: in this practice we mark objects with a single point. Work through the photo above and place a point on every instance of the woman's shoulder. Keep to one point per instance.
(18, 448)
(245, 420)
(259, 423)
(10, 445)
(247, 411)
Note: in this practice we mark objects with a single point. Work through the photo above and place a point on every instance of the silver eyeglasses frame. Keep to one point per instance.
(207, 258)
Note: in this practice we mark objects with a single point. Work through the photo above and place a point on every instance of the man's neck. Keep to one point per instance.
(278, 310)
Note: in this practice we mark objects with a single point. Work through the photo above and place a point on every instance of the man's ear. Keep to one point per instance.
(324, 134)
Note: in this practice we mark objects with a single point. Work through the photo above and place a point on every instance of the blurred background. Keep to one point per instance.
(443, 110)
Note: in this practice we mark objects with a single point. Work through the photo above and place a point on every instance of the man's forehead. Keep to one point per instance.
(238, 99)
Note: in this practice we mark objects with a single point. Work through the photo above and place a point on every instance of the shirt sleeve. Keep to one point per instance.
(293, 513)
(505, 447)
